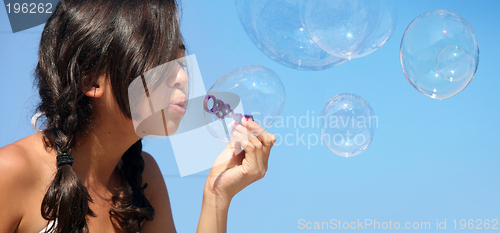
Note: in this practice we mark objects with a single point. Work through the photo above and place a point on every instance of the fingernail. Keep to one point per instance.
(249, 117)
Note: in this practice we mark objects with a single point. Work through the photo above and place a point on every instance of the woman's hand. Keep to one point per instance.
(234, 168)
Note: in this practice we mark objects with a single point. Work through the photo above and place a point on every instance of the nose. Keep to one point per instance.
(181, 79)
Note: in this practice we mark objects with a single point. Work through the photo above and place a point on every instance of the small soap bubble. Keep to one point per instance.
(349, 28)
(454, 63)
(439, 54)
(347, 124)
(275, 27)
(250, 92)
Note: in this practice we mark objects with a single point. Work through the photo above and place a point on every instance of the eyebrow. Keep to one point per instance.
(182, 47)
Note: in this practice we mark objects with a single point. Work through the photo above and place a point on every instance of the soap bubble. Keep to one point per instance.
(350, 28)
(275, 27)
(347, 124)
(439, 54)
(252, 91)
(454, 63)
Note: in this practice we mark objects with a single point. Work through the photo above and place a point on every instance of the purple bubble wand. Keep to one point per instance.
(222, 110)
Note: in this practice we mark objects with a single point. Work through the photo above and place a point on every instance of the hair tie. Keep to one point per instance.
(63, 159)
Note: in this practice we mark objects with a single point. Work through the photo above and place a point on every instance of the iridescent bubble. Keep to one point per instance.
(454, 63)
(439, 54)
(252, 91)
(275, 27)
(347, 124)
(350, 28)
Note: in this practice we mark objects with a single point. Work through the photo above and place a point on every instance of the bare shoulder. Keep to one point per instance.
(23, 160)
(16, 166)
(157, 194)
(16, 184)
(149, 161)
(24, 165)
(151, 169)
(151, 175)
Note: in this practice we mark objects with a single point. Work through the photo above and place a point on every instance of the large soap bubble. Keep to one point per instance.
(275, 27)
(439, 54)
(349, 28)
(252, 91)
(347, 124)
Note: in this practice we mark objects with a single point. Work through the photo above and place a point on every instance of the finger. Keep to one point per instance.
(240, 135)
(260, 153)
(252, 126)
(236, 146)
(253, 152)
(268, 141)
(235, 142)
(260, 156)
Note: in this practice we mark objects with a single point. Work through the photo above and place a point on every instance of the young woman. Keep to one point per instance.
(86, 171)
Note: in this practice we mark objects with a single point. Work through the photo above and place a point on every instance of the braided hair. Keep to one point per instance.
(82, 40)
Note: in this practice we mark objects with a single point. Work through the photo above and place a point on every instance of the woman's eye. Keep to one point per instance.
(182, 64)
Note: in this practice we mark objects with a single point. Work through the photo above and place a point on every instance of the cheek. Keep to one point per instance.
(160, 124)
(161, 96)
(158, 99)
(141, 110)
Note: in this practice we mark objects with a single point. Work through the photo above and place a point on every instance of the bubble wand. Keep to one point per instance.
(223, 110)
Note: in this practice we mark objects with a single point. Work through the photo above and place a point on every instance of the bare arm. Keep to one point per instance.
(213, 217)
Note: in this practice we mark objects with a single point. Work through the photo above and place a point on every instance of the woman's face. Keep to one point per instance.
(162, 103)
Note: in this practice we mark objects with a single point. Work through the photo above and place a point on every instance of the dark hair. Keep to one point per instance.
(82, 40)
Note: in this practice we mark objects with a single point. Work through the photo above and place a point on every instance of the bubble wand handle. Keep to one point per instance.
(222, 110)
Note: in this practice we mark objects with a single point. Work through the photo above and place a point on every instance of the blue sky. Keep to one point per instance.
(429, 159)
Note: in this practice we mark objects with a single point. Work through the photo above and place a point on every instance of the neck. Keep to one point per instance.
(100, 151)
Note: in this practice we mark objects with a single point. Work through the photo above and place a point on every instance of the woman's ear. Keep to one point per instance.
(96, 89)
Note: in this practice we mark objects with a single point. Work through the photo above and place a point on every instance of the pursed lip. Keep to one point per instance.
(178, 105)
